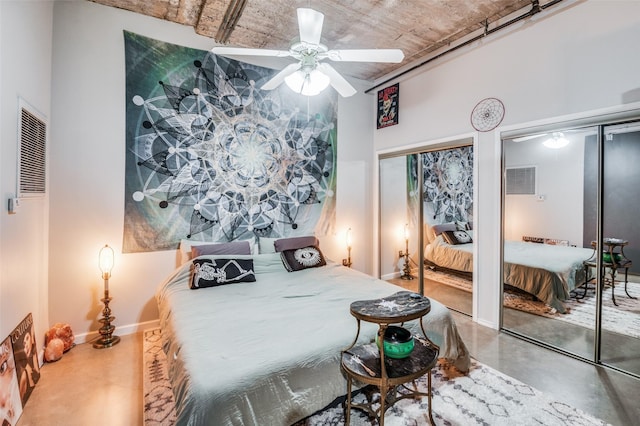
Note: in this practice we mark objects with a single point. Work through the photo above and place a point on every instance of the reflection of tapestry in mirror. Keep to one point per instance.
(447, 185)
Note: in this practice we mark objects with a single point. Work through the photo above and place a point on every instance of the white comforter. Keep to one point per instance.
(267, 352)
(548, 272)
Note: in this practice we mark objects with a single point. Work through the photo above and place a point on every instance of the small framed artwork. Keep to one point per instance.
(10, 404)
(25, 355)
(388, 106)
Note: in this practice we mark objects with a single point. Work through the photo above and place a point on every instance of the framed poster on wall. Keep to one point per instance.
(388, 106)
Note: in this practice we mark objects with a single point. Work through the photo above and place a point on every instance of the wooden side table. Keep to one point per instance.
(367, 363)
(613, 258)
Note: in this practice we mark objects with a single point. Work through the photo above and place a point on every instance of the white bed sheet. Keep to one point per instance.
(549, 272)
(267, 352)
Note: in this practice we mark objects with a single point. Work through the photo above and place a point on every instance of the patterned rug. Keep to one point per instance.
(484, 396)
(158, 396)
(622, 319)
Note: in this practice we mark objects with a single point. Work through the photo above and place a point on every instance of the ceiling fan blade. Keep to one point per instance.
(338, 82)
(366, 55)
(224, 50)
(277, 79)
(310, 24)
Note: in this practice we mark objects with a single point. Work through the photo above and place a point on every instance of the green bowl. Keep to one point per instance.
(606, 257)
(398, 342)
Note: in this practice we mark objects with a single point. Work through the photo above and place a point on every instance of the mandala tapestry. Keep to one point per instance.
(212, 157)
(447, 185)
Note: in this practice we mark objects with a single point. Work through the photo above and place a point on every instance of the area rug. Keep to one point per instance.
(158, 397)
(621, 319)
(484, 396)
(449, 279)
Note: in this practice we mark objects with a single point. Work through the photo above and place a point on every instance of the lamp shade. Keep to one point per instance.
(307, 83)
(105, 259)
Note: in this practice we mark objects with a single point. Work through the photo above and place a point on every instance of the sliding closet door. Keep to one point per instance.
(394, 218)
(620, 338)
(446, 186)
(550, 180)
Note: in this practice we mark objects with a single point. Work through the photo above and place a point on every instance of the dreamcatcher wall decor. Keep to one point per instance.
(487, 114)
(212, 157)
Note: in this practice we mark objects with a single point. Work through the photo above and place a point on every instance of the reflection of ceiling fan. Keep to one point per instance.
(309, 75)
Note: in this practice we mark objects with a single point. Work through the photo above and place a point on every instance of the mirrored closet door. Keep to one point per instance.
(426, 222)
(569, 241)
(620, 207)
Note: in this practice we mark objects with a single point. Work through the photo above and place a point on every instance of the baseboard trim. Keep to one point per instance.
(488, 324)
(119, 331)
(390, 276)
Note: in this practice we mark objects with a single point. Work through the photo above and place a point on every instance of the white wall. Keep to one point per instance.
(580, 57)
(88, 167)
(560, 181)
(25, 73)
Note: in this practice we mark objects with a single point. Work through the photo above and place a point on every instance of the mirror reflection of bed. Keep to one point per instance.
(417, 192)
(550, 213)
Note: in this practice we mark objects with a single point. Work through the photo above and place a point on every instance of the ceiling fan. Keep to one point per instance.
(309, 75)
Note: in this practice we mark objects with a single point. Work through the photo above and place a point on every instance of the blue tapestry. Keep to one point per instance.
(212, 157)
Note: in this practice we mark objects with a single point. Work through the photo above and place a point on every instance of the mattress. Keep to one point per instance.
(268, 352)
(549, 272)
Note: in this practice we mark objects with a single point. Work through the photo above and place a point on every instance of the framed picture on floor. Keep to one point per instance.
(25, 354)
(11, 405)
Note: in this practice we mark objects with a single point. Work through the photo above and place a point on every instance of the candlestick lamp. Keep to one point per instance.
(106, 339)
(347, 262)
(406, 270)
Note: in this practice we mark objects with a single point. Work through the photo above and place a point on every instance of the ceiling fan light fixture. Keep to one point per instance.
(556, 141)
(307, 83)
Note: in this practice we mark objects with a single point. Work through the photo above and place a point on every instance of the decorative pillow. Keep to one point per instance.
(233, 247)
(456, 237)
(186, 245)
(295, 243)
(265, 245)
(462, 225)
(439, 229)
(215, 272)
(302, 258)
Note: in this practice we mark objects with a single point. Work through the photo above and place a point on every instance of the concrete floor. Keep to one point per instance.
(91, 386)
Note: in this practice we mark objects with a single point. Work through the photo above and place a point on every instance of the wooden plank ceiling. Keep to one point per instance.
(418, 27)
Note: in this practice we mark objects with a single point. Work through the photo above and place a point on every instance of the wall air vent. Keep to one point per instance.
(31, 155)
(521, 180)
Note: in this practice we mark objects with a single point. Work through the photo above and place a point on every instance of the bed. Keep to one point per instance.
(268, 351)
(549, 272)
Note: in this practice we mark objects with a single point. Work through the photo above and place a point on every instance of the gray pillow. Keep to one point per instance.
(439, 229)
(233, 247)
(295, 243)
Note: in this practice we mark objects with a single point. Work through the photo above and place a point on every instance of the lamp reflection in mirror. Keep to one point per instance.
(347, 262)
(307, 82)
(556, 141)
(106, 339)
(406, 270)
